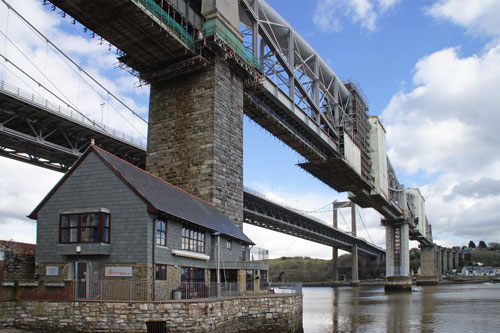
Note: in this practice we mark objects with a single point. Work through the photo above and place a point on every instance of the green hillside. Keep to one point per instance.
(305, 269)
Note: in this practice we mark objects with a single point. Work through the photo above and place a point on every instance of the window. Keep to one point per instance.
(161, 233)
(191, 274)
(263, 280)
(243, 253)
(85, 228)
(161, 272)
(229, 244)
(249, 279)
(193, 240)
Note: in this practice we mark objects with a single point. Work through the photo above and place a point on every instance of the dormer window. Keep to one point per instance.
(85, 227)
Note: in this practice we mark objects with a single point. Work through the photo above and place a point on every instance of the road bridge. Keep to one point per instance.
(203, 79)
(37, 131)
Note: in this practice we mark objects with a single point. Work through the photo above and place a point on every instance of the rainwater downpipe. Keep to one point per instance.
(155, 220)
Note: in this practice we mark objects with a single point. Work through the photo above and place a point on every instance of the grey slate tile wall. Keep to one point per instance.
(94, 185)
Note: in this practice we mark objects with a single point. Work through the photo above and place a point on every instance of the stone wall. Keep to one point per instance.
(195, 138)
(249, 314)
(17, 266)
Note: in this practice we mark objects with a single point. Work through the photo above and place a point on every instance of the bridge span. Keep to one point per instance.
(209, 63)
(37, 131)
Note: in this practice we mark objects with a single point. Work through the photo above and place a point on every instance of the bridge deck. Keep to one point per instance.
(149, 39)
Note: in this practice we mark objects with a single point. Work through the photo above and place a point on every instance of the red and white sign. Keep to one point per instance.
(119, 271)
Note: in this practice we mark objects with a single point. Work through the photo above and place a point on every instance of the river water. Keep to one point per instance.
(443, 308)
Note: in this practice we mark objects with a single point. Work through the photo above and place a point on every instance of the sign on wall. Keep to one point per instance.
(118, 271)
(52, 270)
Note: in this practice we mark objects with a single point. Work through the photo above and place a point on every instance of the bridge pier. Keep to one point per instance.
(445, 261)
(335, 252)
(439, 262)
(195, 136)
(355, 268)
(397, 256)
(428, 268)
(450, 261)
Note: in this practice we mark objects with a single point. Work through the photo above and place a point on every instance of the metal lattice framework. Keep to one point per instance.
(39, 132)
(289, 90)
(261, 212)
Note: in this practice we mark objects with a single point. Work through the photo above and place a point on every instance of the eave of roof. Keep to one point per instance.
(159, 195)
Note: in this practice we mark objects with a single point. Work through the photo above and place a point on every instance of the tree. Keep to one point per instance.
(482, 245)
(472, 245)
(494, 245)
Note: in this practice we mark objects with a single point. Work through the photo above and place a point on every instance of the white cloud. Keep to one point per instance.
(447, 127)
(477, 16)
(24, 186)
(329, 14)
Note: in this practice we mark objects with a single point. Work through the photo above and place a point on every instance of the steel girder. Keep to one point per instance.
(266, 214)
(42, 133)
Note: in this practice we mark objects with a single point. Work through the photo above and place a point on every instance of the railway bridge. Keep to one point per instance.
(208, 63)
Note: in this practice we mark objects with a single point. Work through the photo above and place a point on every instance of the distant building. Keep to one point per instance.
(478, 271)
(108, 220)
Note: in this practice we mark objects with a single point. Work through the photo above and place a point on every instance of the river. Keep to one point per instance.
(442, 308)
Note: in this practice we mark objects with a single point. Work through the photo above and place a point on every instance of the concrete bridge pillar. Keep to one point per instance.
(450, 261)
(428, 268)
(335, 252)
(397, 256)
(195, 138)
(439, 262)
(444, 262)
(354, 273)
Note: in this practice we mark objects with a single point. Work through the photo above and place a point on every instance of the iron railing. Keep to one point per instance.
(73, 114)
(113, 290)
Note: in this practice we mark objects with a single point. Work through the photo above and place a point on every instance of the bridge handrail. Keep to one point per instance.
(285, 206)
(68, 112)
(164, 18)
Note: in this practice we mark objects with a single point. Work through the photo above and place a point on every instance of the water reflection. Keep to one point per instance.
(446, 308)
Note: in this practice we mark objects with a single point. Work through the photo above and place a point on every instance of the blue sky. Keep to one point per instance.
(430, 69)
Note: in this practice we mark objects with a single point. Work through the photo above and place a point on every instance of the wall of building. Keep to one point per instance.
(256, 314)
(93, 185)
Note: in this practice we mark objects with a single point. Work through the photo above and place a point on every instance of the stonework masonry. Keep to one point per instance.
(195, 138)
(249, 314)
(17, 266)
(428, 271)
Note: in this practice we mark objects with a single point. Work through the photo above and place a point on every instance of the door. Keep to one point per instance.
(81, 279)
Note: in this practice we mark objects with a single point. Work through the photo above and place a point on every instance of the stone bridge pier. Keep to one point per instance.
(397, 256)
(195, 136)
(429, 268)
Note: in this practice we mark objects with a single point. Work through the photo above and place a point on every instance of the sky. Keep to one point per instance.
(430, 70)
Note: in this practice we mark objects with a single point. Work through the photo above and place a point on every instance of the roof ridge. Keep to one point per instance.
(163, 180)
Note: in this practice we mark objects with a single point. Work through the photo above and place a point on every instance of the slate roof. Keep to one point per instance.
(163, 196)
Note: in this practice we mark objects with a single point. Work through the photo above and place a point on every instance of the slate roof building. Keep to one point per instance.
(107, 220)
(478, 271)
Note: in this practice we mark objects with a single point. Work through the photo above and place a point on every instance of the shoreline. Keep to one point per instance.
(382, 282)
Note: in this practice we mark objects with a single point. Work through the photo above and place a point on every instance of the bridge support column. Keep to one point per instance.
(439, 262)
(354, 273)
(335, 253)
(444, 262)
(450, 261)
(397, 257)
(428, 268)
(456, 258)
(195, 136)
